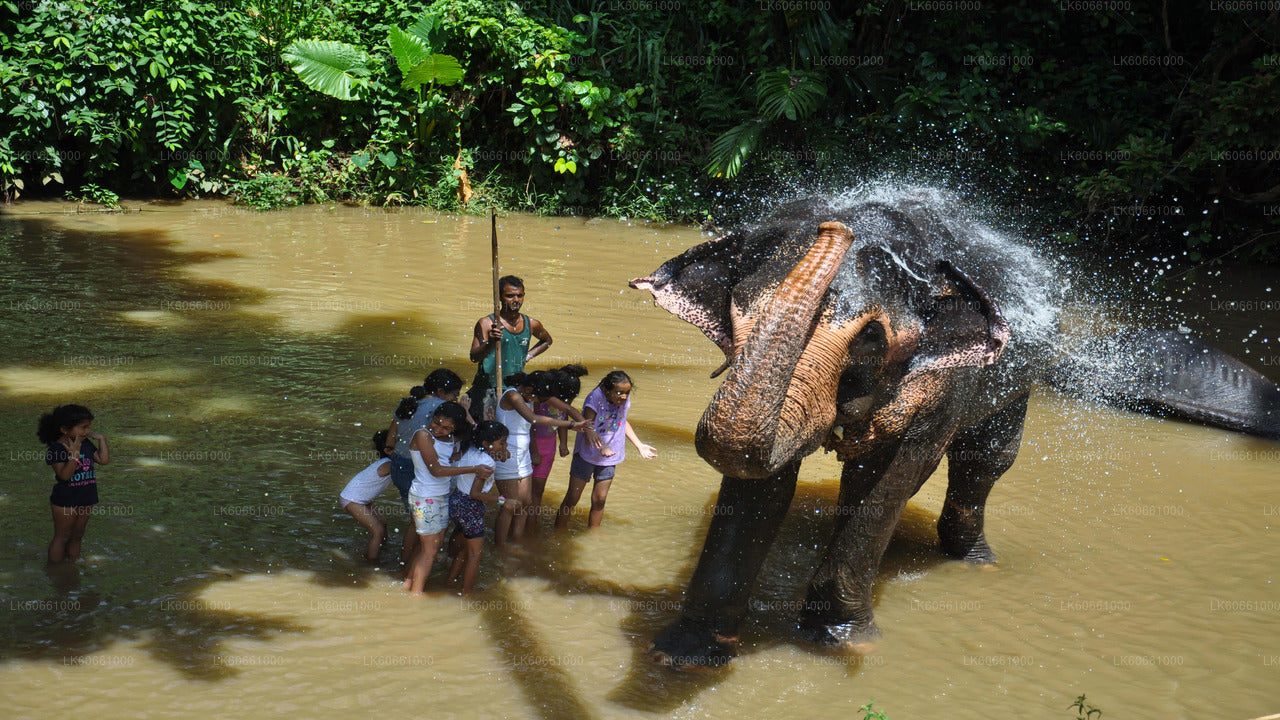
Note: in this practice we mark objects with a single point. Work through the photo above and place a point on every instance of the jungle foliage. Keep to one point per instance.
(1121, 123)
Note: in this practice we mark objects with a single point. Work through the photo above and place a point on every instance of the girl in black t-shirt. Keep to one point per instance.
(66, 435)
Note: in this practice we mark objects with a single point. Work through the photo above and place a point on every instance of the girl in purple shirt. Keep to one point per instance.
(606, 409)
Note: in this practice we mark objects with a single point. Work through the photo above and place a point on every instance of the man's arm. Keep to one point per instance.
(482, 340)
(544, 339)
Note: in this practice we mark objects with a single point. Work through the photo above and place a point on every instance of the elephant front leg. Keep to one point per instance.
(747, 516)
(975, 460)
(874, 491)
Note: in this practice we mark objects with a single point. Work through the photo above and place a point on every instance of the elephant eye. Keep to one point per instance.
(866, 358)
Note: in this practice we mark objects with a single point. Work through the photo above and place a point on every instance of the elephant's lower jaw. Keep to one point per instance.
(692, 646)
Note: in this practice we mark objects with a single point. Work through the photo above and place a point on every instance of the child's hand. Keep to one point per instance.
(483, 472)
(646, 451)
(96, 436)
(607, 452)
(535, 457)
(580, 426)
(564, 450)
(465, 402)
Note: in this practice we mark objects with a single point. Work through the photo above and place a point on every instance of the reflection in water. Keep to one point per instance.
(238, 361)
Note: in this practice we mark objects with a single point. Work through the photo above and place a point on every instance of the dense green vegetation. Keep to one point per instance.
(1115, 121)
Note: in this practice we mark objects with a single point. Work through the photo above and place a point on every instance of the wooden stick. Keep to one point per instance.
(497, 307)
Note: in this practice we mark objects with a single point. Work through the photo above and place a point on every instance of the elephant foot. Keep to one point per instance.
(961, 538)
(855, 635)
(691, 646)
(974, 553)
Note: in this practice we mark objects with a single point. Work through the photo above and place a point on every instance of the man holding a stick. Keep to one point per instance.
(513, 330)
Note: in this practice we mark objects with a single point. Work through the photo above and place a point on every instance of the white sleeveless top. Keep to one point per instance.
(473, 456)
(424, 483)
(520, 463)
(366, 485)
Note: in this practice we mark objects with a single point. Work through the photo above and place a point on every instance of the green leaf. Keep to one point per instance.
(731, 149)
(438, 69)
(408, 49)
(424, 28)
(388, 158)
(333, 68)
(795, 95)
(360, 160)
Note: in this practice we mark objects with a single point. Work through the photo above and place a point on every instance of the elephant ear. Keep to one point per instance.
(963, 326)
(695, 286)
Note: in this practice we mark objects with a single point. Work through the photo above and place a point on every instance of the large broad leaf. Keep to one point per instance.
(731, 149)
(333, 68)
(438, 69)
(409, 50)
(793, 94)
(426, 27)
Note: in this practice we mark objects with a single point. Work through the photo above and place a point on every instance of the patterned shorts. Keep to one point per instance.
(430, 514)
(468, 512)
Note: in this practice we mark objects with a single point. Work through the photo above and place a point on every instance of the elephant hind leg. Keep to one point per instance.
(976, 459)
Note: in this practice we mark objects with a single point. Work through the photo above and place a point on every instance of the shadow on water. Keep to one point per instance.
(201, 449)
(770, 622)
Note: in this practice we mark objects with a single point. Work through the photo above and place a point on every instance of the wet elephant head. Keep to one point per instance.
(837, 328)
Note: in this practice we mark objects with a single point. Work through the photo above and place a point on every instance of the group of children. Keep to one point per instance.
(446, 463)
(443, 461)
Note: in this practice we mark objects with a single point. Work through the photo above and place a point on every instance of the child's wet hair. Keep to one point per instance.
(379, 442)
(488, 431)
(614, 379)
(544, 384)
(51, 423)
(568, 384)
(417, 392)
(517, 379)
(442, 379)
(462, 431)
(406, 408)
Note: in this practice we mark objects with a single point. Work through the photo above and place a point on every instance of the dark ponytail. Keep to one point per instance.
(64, 416)
(568, 383)
(406, 408)
(516, 379)
(442, 379)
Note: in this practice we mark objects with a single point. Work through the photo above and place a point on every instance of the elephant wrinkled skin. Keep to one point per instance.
(892, 333)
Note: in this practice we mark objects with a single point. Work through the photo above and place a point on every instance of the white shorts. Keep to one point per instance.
(430, 514)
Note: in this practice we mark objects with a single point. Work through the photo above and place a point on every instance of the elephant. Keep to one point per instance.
(893, 332)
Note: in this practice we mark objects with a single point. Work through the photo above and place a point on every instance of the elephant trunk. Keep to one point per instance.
(772, 407)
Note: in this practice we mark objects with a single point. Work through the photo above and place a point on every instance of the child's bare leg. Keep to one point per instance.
(459, 562)
(508, 488)
(369, 518)
(422, 562)
(598, 495)
(410, 546)
(571, 497)
(64, 520)
(474, 547)
(534, 509)
(521, 517)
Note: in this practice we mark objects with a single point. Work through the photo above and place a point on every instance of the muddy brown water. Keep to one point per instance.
(239, 361)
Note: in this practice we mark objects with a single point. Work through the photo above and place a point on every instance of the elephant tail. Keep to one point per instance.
(1168, 374)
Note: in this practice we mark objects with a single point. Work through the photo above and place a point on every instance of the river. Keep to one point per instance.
(239, 361)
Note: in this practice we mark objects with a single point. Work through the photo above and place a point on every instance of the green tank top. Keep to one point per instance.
(514, 348)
